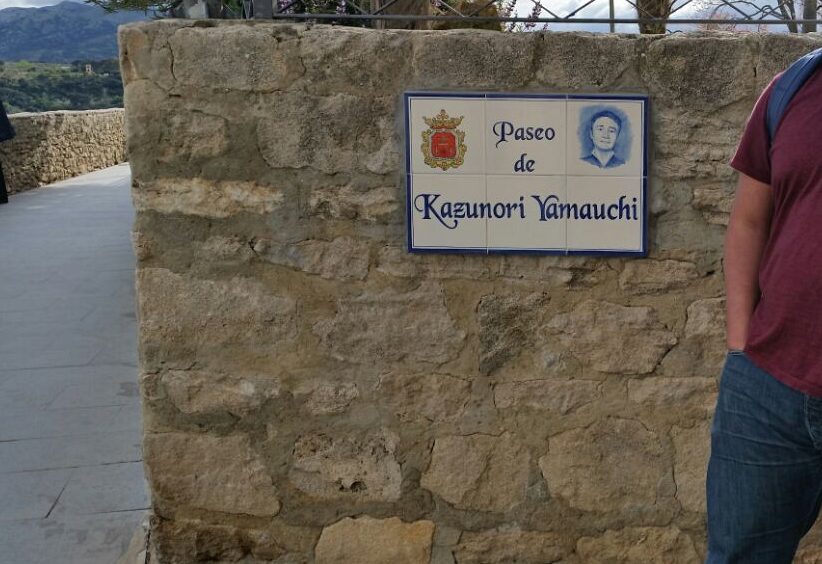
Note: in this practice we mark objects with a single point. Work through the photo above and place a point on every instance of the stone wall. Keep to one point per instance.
(314, 393)
(52, 146)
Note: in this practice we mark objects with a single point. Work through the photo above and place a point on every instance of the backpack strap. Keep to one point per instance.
(787, 85)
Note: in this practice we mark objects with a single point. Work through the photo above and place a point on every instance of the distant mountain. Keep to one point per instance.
(62, 33)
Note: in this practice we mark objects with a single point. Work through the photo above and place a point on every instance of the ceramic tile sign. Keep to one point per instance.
(526, 173)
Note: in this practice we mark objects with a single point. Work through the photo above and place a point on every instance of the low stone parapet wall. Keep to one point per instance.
(52, 146)
(314, 393)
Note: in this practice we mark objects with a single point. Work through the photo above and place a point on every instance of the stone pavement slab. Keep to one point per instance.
(71, 474)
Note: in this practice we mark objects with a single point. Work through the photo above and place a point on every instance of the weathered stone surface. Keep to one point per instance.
(507, 325)
(424, 397)
(586, 61)
(306, 131)
(704, 339)
(206, 198)
(366, 540)
(250, 58)
(614, 465)
(196, 392)
(52, 146)
(674, 393)
(324, 398)
(201, 471)
(699, 82)
(339, 59)
(693, 447)
(614, 338)
(706, 319)
(194, 317)
(473, 58)
(388, 327)
(650, 276)
(639, 545)
(344, 258)
(358, 467)
(374, 205)
(558, 396)
(510, 544)
(397, 262)
(480, 472)
(183, 541)
(714, 202)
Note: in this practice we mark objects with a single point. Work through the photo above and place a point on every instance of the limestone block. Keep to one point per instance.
(398, 262)
(144, 53)
(586, 61)
(359, 467)
(679, 394)
(206, 198)
(693, 447)
(424, 397)
(351, 203)
(706, 319)
(473, 58)
(182, 541)
(344, 258)
(479, 472)
(507, 325)
(324, 398)
(652, 276)
(614, 338)
(387, 327)
(682, 69)
(510, 544)
(341, 59)
(250, 58)
(640, 545)
(782, 50)
(196, 392)
(208, 472)
(366, 540)
(182, 316)
(191, 135)
(224, 249)
(614, 465)
(714, 202)
(306, 131)
(558, 396)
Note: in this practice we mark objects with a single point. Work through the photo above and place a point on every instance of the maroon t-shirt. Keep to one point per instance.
(785, 333)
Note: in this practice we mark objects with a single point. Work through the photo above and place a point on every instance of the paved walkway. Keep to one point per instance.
(71, 476)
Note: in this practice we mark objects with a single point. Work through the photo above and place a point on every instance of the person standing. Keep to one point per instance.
(6, 133)
(764, 476)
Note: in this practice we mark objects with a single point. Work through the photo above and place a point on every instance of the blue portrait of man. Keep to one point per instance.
(604, 134)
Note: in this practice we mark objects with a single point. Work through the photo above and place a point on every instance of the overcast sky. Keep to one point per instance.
(26, 3)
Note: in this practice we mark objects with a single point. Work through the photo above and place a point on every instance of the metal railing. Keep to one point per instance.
(647, 16)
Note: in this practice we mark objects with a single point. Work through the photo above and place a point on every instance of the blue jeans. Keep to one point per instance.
(764, 481)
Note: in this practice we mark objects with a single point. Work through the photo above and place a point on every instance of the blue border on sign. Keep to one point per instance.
(409, 94)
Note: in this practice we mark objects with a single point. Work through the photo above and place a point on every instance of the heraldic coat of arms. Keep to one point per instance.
(443, 145)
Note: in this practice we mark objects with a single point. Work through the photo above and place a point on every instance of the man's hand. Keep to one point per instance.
(745, 240)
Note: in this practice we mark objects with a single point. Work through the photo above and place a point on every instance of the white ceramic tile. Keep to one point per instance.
(528, 227)
(618, 200)
(440, 208)
(624, 139)
(453, 151)
(525, 136)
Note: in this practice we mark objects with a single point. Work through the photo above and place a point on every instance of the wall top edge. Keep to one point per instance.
(23, 115)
